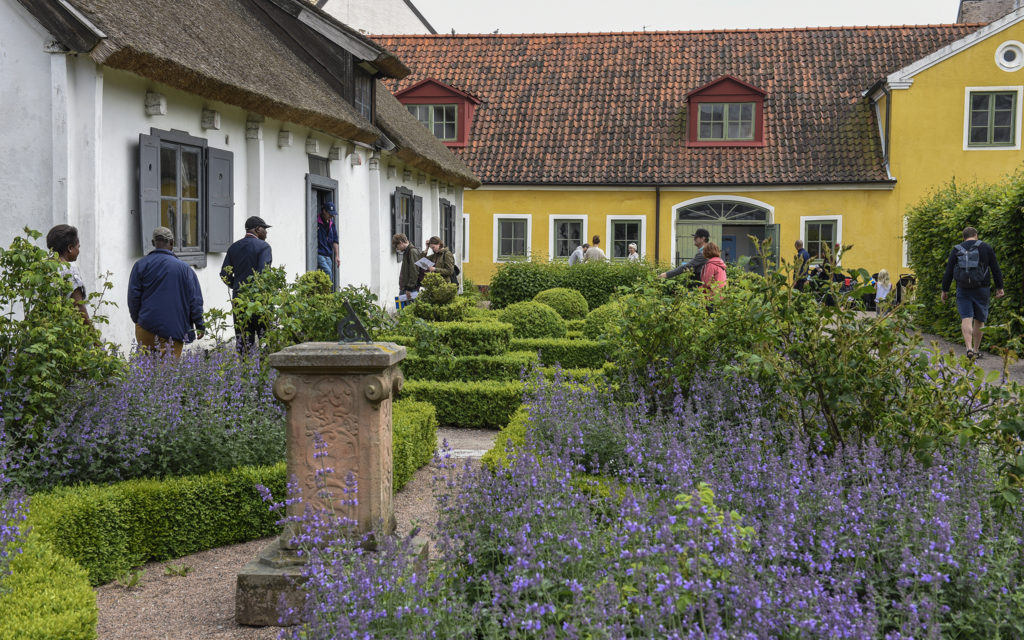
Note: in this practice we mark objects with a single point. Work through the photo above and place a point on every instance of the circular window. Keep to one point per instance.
(1010, 56)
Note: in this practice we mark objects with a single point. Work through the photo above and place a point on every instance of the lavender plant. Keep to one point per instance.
(13, 509)
(164, 417)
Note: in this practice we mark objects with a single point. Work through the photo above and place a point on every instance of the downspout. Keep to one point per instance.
(657, 224)
(888, 119)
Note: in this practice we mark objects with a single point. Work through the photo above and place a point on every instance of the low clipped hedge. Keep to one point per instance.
(602, 321)
(46, 596)
(571, 354)
(110, 529)
(575, 325)
(569, 303)
(487, 403)
(475, 338)
(414, 438)
(507, 366)
(520, 281)
(450, 312)
(511, 436)
(533, 320)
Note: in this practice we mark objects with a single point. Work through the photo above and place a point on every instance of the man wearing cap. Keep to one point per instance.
(327, 256)
(700, 238)
(164, 298)
(245, 257)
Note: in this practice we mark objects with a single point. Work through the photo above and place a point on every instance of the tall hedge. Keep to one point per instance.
(936, 223)
(521, 281)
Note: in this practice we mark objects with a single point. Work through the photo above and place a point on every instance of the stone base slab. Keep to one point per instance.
(268, 584)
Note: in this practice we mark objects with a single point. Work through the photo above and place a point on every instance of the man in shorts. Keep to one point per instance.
(970, 264)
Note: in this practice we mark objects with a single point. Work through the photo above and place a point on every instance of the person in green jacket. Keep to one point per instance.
(409, 275)
(441, 256)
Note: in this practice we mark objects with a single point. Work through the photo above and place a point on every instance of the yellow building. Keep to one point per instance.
(824, 135)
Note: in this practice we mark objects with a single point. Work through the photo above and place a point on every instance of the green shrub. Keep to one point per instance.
(573, 335)
(436, 290)
(110, 529)
(936, 223)
(511, 436)
(405, 341)
(521, 281)
(414, 438)
(44, 344)
(569, 303)
(46, 596)
(602, 321)
(304, 311)
(473, 338)
(487, 403)
(533, 320)
(575, 325)
(450, 312)
(507, 366)
(571, 354)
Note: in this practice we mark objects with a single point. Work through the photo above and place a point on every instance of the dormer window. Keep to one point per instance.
(440, 119)
(725, 113)
(444, 110)
(362, 93)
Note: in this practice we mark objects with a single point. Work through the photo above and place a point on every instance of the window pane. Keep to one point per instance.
(979, 101)
(189, 173)
(735, 131)
(1002, 118)
(189, 224)
(449, 131)
(168, 172)
(812, 232)
(705, 131)
(169, 215)
(1004, 101)
(827, 233)
(979, 135)
(979, 118)
(746, 131)
(717, 130)
(1002, 134)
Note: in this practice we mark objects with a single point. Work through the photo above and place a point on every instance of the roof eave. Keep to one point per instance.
(69, 26)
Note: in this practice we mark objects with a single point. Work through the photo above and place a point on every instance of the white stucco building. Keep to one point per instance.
(115, 123)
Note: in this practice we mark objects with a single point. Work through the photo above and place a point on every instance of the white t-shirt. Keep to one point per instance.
(71, 271)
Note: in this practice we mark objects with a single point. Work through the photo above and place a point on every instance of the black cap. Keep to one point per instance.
(255, 221)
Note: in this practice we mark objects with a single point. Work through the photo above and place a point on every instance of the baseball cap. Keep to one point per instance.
(330, 208)
(255, 221)
(701, 233)
(163, 233)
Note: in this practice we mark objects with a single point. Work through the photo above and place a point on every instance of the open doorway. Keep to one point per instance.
(320, 190)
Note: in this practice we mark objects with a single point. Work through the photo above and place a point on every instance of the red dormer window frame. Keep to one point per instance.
(729, 90)
(434, 92)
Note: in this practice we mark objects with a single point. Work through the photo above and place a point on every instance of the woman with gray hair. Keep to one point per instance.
(631, 253)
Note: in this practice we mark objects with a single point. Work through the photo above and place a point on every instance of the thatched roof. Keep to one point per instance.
(282, 59)
(417, 147)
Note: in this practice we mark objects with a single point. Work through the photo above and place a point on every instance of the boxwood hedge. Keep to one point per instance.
(507, 366)
(486, 403)
(521, 281)
(571, 354)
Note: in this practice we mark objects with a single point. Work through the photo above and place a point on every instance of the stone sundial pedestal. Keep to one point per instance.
(342, 393)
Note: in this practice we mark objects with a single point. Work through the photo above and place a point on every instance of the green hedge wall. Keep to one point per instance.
(487, 403)
(507, 366)
(571, 354)
(575, 325)
(935, 224)
(110, 529)
(520, 281)
(475, 338)
(414, 438)
(46, 596)
(533, 320)
(513, 434)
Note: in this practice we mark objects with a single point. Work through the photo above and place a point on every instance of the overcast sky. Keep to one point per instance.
(570, 16)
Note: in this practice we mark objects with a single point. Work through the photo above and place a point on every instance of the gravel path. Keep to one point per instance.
(988, 361)
(201, 604)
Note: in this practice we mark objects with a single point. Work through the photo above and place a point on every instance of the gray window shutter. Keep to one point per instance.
(221, 203)
(417, 213)
(149, 189)
(394, 214)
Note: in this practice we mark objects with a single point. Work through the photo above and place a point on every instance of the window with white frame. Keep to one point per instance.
(440, 119)
(567, 233)
(623, 231)
(512, 237)
(822, 235)
(992, 117)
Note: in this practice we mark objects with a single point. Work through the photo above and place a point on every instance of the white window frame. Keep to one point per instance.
(552, 218)
(529, 232)
(1017, 118)
(464, 240)
(838, 219)
(608, 240)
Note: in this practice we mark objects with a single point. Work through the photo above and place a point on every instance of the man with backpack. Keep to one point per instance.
(970, 265)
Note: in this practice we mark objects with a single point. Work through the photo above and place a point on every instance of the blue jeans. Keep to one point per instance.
(325, 264)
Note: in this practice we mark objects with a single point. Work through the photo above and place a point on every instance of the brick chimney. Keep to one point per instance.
(985, 10)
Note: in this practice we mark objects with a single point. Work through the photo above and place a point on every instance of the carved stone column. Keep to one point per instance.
(339, 394)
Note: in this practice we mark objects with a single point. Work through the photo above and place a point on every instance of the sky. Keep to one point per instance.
(572, 16)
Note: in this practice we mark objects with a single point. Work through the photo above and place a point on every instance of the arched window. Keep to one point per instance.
(722, 211)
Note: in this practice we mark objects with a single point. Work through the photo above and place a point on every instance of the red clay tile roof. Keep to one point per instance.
(608, 109)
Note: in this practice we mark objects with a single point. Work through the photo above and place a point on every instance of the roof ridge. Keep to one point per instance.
(407, 36)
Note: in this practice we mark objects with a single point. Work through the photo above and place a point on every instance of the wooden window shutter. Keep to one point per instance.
(221, 202)
(417, 209)
(149, 189)
(394, 214)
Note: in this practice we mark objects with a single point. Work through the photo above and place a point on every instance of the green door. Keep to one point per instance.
(684, 238)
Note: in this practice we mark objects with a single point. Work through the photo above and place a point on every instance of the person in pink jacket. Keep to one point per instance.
(713, 274)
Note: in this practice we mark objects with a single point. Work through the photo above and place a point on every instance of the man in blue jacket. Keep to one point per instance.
(328, 257)
(164, 298)
(245, 257)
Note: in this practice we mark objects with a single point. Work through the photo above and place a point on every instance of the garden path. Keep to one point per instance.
(201, 604)
(988, 361)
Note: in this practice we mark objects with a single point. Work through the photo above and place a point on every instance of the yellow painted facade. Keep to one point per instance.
(927, 149)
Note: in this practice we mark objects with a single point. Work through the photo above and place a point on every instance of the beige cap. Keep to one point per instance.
(163, 233)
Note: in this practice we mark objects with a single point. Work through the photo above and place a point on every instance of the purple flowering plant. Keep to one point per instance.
(165, 416)
(13, 510)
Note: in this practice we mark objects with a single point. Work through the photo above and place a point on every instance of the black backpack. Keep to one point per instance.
(968, 271)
